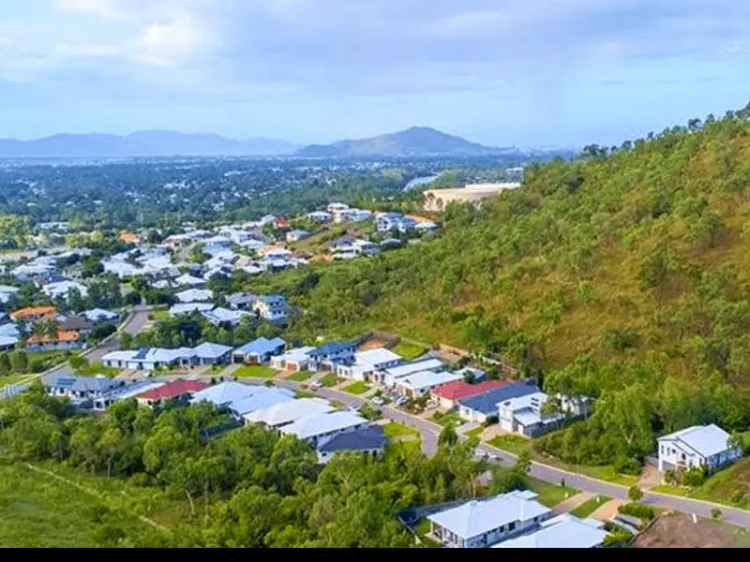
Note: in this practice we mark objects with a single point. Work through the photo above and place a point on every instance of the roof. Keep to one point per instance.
(376, 356)
(563, 531)
(480, 516)
(334, 347)
(61, 336)
(96, 314)
(287, 412)
(312, 426)
(76, 323)
(409, 368)
(195, 295)
(706, 440)
(427, 379)
(188, 307)
(221, 315)
(174, 389)
(298, 354)
(371, 437)
(28, 312)
(261, 346)
(461, 389)
(487, 403)
(211, 350)
(262, 399)
(225, 393)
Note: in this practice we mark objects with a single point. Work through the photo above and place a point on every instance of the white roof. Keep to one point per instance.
(296, 354)
(188, 307)
(225, 393)
(96, 314)
(480, 516)
(6, 341)
(211, 350)
(219, 315)
(195, 295)
(260, 400)
(409, 368)
(287, 412)
(375, 356)
(428, 379)
(312, 426)
(62, 288)
(706, 440)
(10, 330)
(563, 531)
(188, 279)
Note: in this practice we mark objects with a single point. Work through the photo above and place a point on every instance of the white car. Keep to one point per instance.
(378, 401)
(316, 385)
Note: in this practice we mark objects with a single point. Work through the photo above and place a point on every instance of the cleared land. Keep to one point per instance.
(678, 531)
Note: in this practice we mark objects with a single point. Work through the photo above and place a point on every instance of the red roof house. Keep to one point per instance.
(171, 390)
(450, 393)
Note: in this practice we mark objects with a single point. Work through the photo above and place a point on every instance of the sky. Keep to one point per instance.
(500, 72)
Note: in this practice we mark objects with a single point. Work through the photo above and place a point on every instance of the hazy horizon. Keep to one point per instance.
(304, 71)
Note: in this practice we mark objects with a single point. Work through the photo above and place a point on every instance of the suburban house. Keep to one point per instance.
(328, 355)
(263, 398)
(190, 307)
(525, 414)
(563, 531)
(195, 295)
(483, 523)
(187, 280)
(7, 293)
(62, 340)
(389, 377)
(63, 289)
(219, 316)
(320, 217)
(419, 384)
(99, 315)
(78, 389)
(259, 351)
(297, 359)
(212, 354)
(154, 358)
(478, 409)
(369, 440)
(318, 430)
(368, 362)
(241, 301)
(34, 314)
(224, 394)
(272, 308)
(180, 389)
(123, 392)
(699, 446)
(449, 394)
(78, 324)
(284, 413)
(386, 222)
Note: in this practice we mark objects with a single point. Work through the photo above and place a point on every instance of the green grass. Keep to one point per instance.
(671, 490)
(550, 494)
(255, 371)
(422, 529)
(451, 418)
(329, 380)
(38, 510)
(730, 486)
(511, 443)
(396, 430)
(409, 350)
(6, 380)
(476, 432)
(300, 376)
(590, 506)
(160, 315)
(97, 368)
(359, 387)
(300, 393)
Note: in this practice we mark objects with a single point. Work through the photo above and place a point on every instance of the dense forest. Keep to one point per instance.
(622, 275)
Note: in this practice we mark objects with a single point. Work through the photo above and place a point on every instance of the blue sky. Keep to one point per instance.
(502, 72)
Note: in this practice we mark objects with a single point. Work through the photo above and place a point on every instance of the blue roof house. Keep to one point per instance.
(259, 351)
(478, 409)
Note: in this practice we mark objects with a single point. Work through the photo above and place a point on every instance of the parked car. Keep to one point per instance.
(315, 385)
(378, 401)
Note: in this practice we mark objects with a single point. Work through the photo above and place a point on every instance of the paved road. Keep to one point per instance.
(133, 324)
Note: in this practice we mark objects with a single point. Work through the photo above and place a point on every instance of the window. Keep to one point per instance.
(511, 526)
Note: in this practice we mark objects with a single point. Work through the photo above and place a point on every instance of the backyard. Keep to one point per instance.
(409, 351)
(255, 371)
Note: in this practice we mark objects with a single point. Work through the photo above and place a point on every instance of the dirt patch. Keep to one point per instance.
(678, 530)
(650, 477)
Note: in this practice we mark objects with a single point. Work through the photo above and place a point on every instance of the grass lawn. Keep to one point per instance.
(550, 494)
(304, 394)
(39, 510)
(160, 315)
(730, 486)
(422, 528)
(359, 387)
(446, 419)
(511, 443)
(396, 430)
(329, 380)
(6, 380)
(97, 368)
(476, 432)
(300, 376)
(409, 350)
(255, 371)
(590, 506)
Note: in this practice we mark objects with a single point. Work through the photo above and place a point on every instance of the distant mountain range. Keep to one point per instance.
(144, 144)
(416, 141)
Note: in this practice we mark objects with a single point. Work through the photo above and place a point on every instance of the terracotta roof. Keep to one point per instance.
(130, 238)
(32, 311)
(460, 389)
(62, 336)
(173, 390)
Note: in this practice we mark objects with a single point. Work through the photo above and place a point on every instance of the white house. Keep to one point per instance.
(524, 414)
(699, 446)
(219, 316)
(389, 377)
(195, 295)
(319, 429)
(421, 383)
(272, 308)
(368, 362)
(563, 531)
(483, 523)
(284, 413)
(296, 359)
(62, 289)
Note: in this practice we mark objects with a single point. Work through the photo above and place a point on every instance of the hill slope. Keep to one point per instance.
(416, 141)
(143, 144)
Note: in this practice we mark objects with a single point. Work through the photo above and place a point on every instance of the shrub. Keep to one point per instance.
(716, 513)
(635, 493)
(639, 510)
